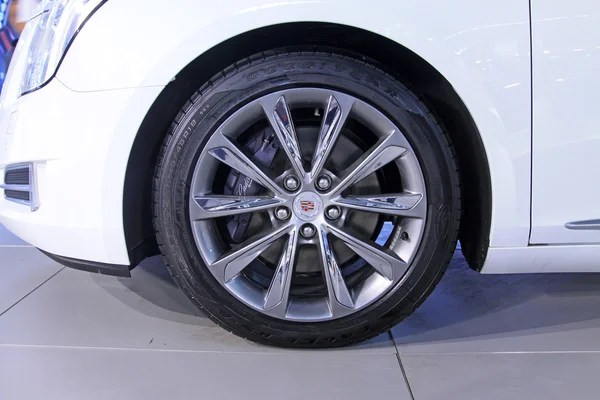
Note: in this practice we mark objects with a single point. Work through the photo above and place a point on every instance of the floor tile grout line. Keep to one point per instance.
(33, 290)
(410, 392)
(288, 352)
(508, 352)
(140, 349)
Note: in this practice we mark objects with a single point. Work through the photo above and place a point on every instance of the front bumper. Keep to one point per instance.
(79, 144)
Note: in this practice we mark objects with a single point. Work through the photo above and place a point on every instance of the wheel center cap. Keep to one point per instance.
(308, 206)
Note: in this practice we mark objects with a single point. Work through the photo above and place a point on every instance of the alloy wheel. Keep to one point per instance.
(309, 204)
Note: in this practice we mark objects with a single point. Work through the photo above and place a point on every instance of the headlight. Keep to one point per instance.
(55, 24)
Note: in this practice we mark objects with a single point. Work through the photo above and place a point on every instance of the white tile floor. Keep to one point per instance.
(67, 334)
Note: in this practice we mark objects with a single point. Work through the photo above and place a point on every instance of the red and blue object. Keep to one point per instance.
(8, 41)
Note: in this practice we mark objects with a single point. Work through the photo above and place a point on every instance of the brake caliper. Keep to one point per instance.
(263, 148)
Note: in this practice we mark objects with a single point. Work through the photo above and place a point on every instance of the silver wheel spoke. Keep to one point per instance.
(230, 264)
(336, 285)
(402, 204)
(307, 209)
(213, 205)
(228, 153)
(334, 118)
(279, 291)
(280, 117)
(386, 262)
(382, 154)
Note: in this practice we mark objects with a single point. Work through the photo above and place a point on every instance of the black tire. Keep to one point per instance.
(272, 71)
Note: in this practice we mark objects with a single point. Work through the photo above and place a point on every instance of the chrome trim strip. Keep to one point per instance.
(17, 166)
(590, 224)
(33, 188)
(20, 188)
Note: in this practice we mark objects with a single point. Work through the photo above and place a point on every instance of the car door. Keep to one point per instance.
(566, 122)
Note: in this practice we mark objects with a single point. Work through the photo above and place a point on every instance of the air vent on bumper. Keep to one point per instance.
(20, 185)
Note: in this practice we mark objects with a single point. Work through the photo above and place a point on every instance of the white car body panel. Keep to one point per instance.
(542, 259)
(81, 126)
(80, 168)
(481, 50)
(566, 122)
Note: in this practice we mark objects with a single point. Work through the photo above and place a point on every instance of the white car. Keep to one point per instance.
(306, 167)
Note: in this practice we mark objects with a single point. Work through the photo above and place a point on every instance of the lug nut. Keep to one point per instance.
(333, 212)
(308, 231)
(324, 182)
(291, 183)
(282, 213)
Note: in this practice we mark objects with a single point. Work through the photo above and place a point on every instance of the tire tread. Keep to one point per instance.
(248, 332)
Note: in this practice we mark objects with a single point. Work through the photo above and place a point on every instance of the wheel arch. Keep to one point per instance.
(411, 69)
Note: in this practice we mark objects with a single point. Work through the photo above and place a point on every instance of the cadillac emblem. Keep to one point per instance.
(308, 206)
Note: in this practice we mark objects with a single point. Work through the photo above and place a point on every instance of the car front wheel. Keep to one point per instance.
(306, 199)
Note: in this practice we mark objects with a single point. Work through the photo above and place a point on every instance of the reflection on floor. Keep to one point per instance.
(71, 334)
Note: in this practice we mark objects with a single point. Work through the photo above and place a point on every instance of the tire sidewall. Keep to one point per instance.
(230, 91)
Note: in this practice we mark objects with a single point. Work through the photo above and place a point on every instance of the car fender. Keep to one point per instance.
(482, 49)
